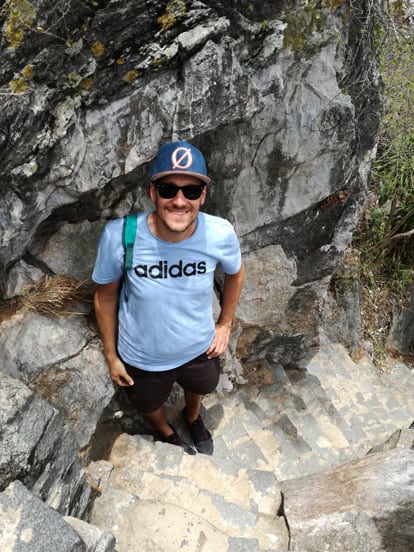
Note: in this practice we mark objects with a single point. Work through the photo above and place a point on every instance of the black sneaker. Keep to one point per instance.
(175, 439)
(203, 441)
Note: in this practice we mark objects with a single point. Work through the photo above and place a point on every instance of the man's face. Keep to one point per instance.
(175, 220)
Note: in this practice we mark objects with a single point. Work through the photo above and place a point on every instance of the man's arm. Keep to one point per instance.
(232, 287)
(106, 310)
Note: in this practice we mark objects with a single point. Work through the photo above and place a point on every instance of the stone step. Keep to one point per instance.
(325, 418)
(300, 423)
(367, 399)
(191, 497)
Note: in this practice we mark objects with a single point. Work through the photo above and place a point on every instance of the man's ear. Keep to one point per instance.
(152, 192)
(203, 195)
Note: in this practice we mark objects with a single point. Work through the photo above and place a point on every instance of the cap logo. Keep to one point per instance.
(181, 158)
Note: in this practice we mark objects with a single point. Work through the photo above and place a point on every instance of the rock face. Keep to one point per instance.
(61, 360)
(401, 336)
(281, 100)
(39, 450)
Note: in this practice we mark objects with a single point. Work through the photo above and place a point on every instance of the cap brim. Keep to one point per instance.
(205, 179)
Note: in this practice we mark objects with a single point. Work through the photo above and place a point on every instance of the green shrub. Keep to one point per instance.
(385, 237)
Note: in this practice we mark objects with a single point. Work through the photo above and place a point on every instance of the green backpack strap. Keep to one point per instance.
(129, 231)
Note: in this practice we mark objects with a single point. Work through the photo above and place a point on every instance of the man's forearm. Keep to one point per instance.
(232, 287)
(106, 310)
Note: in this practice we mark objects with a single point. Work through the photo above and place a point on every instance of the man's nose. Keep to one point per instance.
(180, 197)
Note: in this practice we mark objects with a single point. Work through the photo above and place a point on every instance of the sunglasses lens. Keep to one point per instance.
(168, 191)
(192, 192)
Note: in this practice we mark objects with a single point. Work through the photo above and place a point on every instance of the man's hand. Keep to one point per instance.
(220, 341)
(118, 373)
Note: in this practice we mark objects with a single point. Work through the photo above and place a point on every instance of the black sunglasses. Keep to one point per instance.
(168, 190)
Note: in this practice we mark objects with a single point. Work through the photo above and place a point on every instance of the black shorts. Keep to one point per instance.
(151, 389)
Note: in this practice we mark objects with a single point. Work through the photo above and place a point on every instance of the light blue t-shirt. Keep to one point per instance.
(168, 319)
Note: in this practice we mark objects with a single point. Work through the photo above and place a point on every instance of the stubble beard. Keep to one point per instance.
(177, 228)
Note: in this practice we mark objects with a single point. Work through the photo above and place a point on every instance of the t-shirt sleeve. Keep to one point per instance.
(230, 252)
(110, 255)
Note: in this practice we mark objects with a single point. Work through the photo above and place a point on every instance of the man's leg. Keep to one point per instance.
(159, 421)
(202, 439)
(166, 431)
(150, 390)
(192, 405)
(201, 375)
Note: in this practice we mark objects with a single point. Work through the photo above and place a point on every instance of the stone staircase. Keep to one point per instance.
(156, 498)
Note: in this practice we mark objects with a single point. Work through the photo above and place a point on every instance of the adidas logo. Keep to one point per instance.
(163, 270)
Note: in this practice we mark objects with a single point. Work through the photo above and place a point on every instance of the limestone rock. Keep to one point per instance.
(31, 342)
(283, 100)
(402, 438)
(61, 360)
(341, 315)
(94, 538)
(70, 250)
(367, 504)
(21, 275)
(174, 500)
(401, 336)
(39, 450)
(29, 524)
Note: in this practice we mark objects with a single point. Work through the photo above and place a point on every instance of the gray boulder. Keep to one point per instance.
(39, 449)
(61, 359)
(364, 505)
(94, 538)
(29, 524)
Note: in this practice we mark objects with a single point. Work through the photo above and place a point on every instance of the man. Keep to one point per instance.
(164, 331)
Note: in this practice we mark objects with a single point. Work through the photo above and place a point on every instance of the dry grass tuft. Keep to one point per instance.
(56, 296)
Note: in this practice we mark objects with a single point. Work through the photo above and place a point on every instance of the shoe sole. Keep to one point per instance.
(199, 448)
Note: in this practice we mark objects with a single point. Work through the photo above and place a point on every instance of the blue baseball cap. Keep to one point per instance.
(179, 158)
